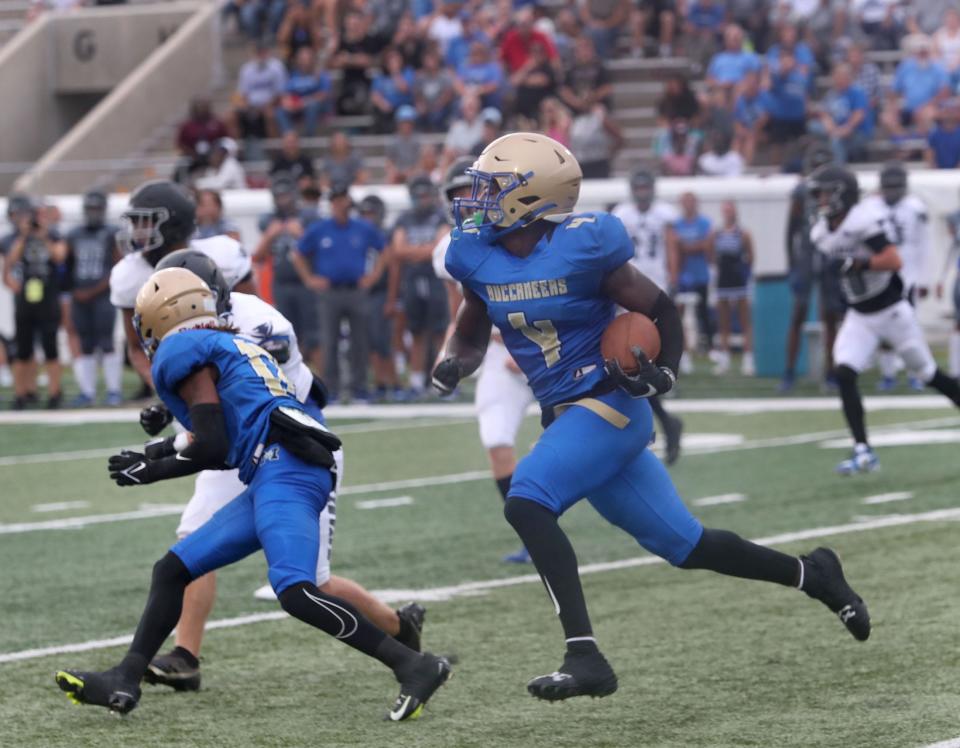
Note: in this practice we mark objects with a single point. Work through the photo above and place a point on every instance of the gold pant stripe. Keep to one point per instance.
(611, 415)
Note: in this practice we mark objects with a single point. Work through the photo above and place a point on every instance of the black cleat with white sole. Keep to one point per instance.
(173, 669)
(418, 682)
(581, 674)
(107, 689)
(823, 580)
(411, 618)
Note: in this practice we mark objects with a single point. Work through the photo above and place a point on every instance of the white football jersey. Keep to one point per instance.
(440, 259)
(648, 230)
(865, 224)
(129, 275)
(908, 227)
(256, 319)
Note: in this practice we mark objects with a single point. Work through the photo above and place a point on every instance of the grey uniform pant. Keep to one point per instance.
(350, 304)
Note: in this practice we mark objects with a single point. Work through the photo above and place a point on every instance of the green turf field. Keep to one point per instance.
(702, 660)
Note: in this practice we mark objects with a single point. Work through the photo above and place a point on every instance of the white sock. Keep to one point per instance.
(417, 380)
(113, 371)
(85, 371)
(888, 363)
(954, 357)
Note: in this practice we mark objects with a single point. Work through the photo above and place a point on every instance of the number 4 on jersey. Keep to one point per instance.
(542, 332)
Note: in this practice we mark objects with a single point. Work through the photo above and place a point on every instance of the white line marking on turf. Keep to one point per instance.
(886, 498)
(954, 743)
(60, 506)
(724, 498)
(73, 523)
(434, 480)
(902, 438)
(387, 502)
(473, 588)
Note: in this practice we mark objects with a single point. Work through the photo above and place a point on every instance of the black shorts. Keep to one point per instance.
(33, 321)
(425, 304)
(785, 130)
(94, 322)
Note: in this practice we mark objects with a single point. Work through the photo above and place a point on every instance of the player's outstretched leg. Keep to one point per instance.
(863, 459)
(585, 671)
(672, 430)
(946, 385)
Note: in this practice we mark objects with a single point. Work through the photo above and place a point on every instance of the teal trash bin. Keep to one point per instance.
(772, 306)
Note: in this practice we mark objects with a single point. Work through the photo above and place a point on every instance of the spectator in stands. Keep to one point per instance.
(210, 218)
(555, 120)
(310, 203)
(678, 101)
(693, 242)
(458, 48)
(445, 25)
(753, 16)
(586, 81)
(262, 81)
(749, 117)
(224, 171)
(702, 28)
(385, 16)
(595, 137)
(517, 42)
(196, 134)
(943, 143)
(281, 229)
(480, 75)
(866, 75)
(655, 20)
(719, 160)
(729, 66)
(492, 124)
(919, 85)
(879, 20)
(296, 32)
(788, 40)
(332, 259)
(567, 30)
(405, 149)
(31, 272)
(786, 103)
(408, 41)
(946, 44)
(391, 89)
(423, 295)
(603, 21)
(433, 93)
(717, 115)
(464, 132)
(355, 56)
(827, 32)
(732, 251)
(532, 83)
(844, 117)
(307, 97)
(262, 18)
(341, 165)
(291, 163)
(676, 149)
(926, 16)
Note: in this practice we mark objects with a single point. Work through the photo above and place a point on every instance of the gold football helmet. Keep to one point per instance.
(167, 301)
(518, 179)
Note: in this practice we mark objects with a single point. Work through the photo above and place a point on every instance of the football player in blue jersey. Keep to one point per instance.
(239, 406)
(550, 279)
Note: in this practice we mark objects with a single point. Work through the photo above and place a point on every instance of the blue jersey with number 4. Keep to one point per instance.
(548, 306)
(251, 386)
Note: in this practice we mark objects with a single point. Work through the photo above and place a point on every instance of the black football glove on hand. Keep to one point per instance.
(649, 380)
(155, 418)
(130, 469)
(447, 375)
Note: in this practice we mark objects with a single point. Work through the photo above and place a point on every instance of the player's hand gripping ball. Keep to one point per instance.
(627, 331)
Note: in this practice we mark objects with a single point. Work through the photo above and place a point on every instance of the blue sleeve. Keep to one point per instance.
(308, 243)
(454, 262)
(611, 239)
(858, 99)
(177, 358)
(898, 77)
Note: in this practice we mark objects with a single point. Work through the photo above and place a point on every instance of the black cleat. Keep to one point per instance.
(108, 689)
(824, 581)
(173, 670)
(417, 684)
(673, 431)
(411, 618)
(581, 674)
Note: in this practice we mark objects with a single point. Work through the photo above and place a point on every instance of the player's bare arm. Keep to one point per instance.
(467, 346)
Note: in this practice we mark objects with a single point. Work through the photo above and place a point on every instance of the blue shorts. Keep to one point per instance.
(597, 449)
(278, 512)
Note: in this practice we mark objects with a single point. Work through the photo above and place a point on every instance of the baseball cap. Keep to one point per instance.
(491, 115)
(339, 190)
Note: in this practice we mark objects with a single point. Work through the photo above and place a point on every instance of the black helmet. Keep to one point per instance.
(162, 216)
(373, 207)
(834, 190)
(94, 208)
(423, 193)
(893, 182)
(456, 178)
(642, 185)
(200, 265)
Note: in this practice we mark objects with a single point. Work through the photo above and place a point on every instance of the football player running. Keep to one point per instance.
(503, 394)
(649, 223)
(853, 237)
(550, 280)
(242, 413)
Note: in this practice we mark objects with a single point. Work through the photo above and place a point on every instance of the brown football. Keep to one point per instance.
(630, 329)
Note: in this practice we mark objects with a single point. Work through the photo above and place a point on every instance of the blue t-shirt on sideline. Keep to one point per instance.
(694, 271)
(787, 97)
(711, 17)
(338, 251)
(945, 145)
(747, 110)
(918, 84)
(731, 67)
(388, 89)
(801, 53)
(841, 105)
(307, 84)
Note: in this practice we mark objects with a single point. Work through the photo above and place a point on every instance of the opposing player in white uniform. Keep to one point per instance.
(906, 220)
(853, 236)
(503, 394)
(649, 223)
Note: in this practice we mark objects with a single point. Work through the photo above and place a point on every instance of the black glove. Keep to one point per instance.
(129, 469)
(446, 375)
(649, 380)
(155, 418)
(157, 449)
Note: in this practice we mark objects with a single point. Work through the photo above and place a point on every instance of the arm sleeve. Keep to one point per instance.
(877, 242)
(207, 450)
(670, 326)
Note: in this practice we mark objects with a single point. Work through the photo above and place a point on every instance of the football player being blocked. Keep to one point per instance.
(242, 412)
(214, 489)
(550, 279)
(854, 237)
(503, 394)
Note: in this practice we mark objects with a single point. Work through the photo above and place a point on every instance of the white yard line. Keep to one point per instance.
(724, 498)
(434, 480)
(73, 523)
(59, 506)
(954, 743)
(886, 498)
(385, 502)
(472, 588)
